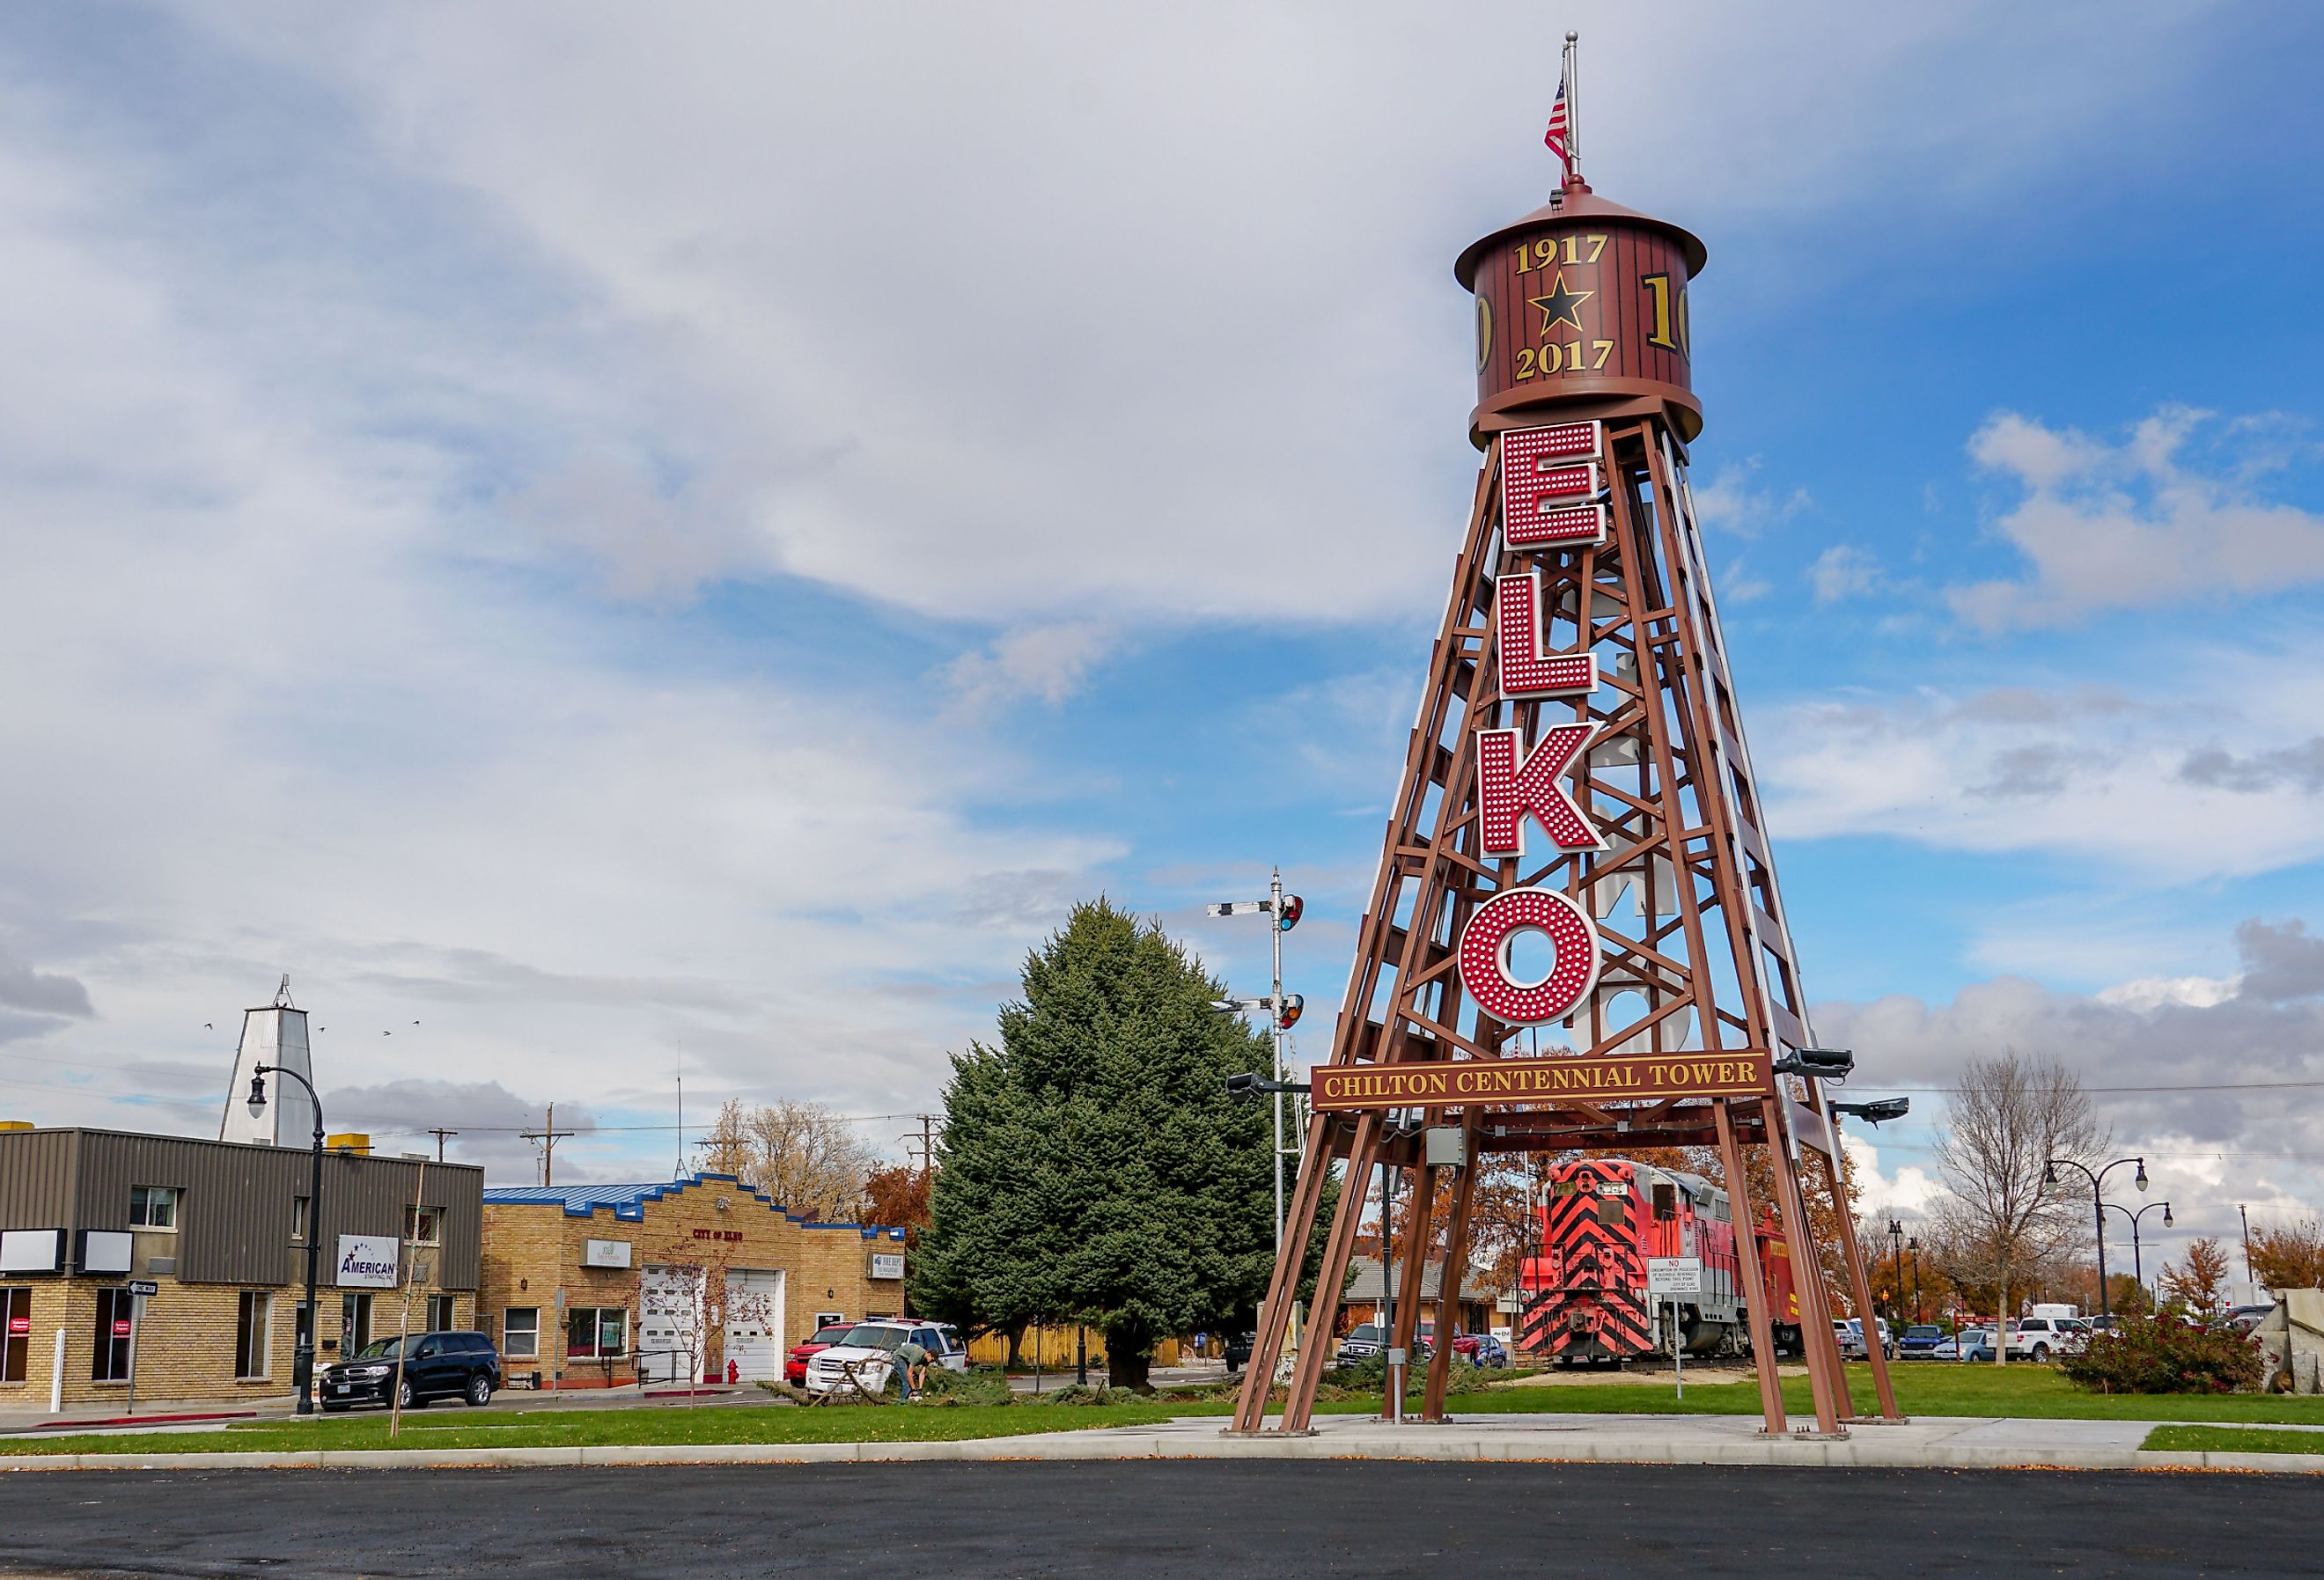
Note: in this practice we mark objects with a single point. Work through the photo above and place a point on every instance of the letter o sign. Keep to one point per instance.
(1485, 957)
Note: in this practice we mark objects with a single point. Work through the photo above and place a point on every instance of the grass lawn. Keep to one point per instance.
(1924, 1388)
(555, 1428)
(2232, 1440)
(1932, 1388)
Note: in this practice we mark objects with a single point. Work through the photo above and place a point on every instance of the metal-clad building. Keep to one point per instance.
(221, 1229)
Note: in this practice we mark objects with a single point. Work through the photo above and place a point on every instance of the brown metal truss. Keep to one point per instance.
(1695, 952)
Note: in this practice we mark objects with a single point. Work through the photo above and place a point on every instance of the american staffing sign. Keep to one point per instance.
(369, 1261)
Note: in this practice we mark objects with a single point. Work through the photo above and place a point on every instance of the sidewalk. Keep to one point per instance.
(1941, 1442)
(202, 1413)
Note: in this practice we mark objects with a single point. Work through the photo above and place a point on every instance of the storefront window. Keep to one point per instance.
(250, 1329)
(109, 1359)
(15, 1332)
(596, 1331)
(521, 1333)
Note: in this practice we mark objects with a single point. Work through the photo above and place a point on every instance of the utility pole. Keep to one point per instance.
(548, 1135)
(439, 1133)
(926, 1142)
(2244, 1213)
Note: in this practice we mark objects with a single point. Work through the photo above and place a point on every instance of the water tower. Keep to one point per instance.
(1575, 939)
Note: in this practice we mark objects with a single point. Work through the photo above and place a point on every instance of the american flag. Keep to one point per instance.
(1555, 138)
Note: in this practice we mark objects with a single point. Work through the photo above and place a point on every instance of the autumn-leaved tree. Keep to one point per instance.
(2004, 1216)
(807, 1157)
(2288, 1256)
(898, 1198)
(2198, 1284)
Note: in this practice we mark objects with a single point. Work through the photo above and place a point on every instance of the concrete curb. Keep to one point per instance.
(1549, 1446)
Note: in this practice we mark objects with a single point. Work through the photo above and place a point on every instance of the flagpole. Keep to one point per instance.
(1572, 105)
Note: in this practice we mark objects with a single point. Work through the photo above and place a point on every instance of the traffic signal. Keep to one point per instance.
(1291, 906)
(1294, 1006)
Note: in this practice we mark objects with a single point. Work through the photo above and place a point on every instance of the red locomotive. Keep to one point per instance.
(1586, 1292)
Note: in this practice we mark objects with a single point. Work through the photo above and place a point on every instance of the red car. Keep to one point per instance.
(795, 1365)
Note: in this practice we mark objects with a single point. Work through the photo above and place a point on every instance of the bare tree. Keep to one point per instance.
(2003, 1220)
(806, 1157)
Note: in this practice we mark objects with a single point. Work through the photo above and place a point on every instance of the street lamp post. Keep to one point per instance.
(2098, 1206)
(2138, 1264)
(302, 1356)
(1896, 1239)
(1914, 1245)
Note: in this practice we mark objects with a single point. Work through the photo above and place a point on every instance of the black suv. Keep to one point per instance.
(436, 1366)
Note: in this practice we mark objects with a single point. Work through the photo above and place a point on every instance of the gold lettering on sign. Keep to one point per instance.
(1466, 1082)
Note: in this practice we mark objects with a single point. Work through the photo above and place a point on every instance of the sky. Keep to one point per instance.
(613, 542)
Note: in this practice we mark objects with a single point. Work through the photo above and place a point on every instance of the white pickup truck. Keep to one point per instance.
(2037, 1338)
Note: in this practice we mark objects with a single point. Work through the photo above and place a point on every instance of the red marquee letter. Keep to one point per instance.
(1549, 486)
(1509, 787)
(1485, 957)
(1526, 670)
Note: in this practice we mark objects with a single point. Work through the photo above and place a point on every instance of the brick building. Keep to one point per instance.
(220, 1229)
(599, 1284)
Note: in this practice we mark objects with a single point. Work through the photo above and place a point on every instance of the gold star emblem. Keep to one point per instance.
(1561, 306)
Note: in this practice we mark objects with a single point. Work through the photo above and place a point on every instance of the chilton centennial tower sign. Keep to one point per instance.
(1575, 939)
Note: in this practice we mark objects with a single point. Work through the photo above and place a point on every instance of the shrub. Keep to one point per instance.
(2166, 1354)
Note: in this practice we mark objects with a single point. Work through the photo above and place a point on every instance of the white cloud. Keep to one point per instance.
(2201, 772)
(274, 713)
(2216, 1087)
(1729, 502)
(1842, 572)
(1046, 662)
(1027, 310)
(2112, 526)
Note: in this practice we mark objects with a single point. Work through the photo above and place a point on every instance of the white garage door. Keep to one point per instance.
(669, 1323)
(754, 1322)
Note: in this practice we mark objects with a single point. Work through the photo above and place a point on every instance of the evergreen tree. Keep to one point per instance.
(1093, 1167)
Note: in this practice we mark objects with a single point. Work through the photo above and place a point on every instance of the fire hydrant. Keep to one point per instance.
(734, 1373)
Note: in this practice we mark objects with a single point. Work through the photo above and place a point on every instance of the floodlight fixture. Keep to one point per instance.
(1875, 1113)
(1828, 1064)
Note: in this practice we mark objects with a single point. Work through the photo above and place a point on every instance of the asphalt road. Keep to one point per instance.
(1126, 1521)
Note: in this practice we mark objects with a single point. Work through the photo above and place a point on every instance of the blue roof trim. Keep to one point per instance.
(628, 1202)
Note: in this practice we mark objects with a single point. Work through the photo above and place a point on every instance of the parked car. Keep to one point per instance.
(436, 1366)
(1855, 1326)
(794, 1363)
(1946, 1348)
(1920, 1341)
(1849, 1332)
(1367, 1340)
(1238, 1350)
(2247, 1318)
(869, 1348)
(1488, 1351)
(2037, 1338)
(1974, 1343)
